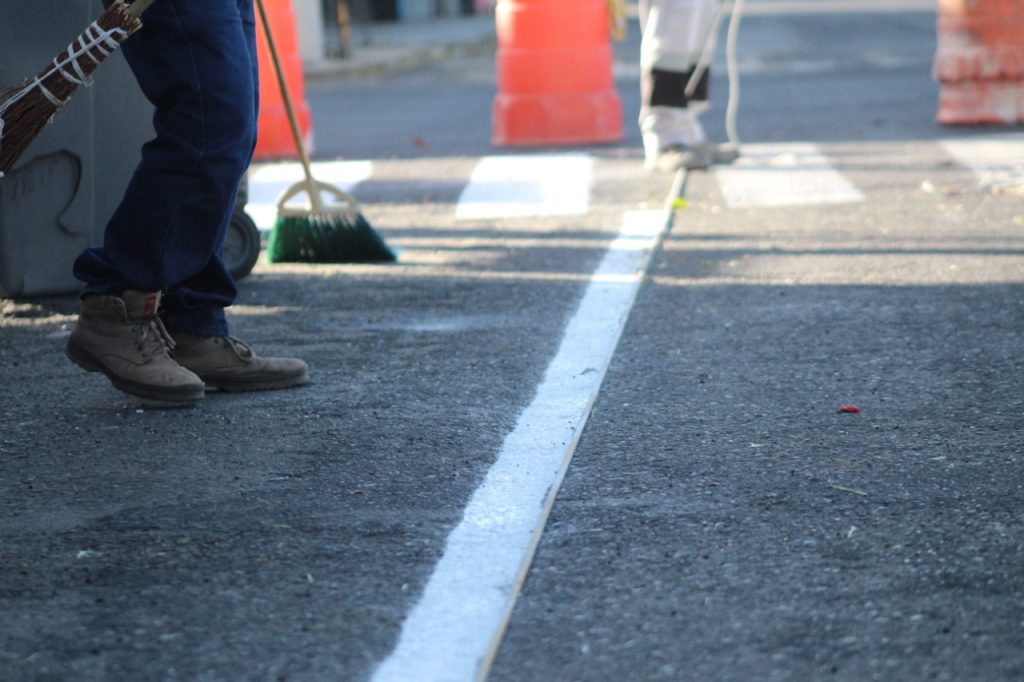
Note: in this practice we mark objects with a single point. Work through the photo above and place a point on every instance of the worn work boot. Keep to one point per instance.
(122, 337)
(230, 365)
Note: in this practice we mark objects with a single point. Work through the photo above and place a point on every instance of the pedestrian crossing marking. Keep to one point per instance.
(537, 185)
(527, 185)
(997, 161)
(791, 174)
(268, 180)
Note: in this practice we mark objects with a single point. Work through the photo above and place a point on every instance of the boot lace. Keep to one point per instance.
(154, 339)
(240, 348)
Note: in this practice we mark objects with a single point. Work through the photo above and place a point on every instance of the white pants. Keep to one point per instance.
(674, 32)
(674, 35)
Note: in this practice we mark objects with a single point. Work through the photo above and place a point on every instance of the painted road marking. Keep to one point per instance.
(267, 181)
(453, 633)
(527, 185)
(998, 161)
(792, 174)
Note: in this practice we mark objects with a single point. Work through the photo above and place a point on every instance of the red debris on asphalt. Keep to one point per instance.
(849, 409)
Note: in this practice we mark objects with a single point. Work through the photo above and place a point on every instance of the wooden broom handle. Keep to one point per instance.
(289, 106)
(138, 7)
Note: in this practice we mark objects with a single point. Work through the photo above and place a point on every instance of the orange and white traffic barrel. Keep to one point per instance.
(274, 139)
(979, 62)
(554, 73)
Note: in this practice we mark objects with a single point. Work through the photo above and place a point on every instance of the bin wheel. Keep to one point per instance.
(241, 245)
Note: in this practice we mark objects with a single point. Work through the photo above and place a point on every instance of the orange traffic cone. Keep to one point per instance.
(274, 138)
(979, 62)
(554, 74)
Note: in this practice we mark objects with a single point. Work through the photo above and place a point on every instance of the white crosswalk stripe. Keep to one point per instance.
(791, 174)
(997, 160)
(527, 185)
(499, 187)
(520, 186)
(267, 181)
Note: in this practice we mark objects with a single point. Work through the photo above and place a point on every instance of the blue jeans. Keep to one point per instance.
(195, 60)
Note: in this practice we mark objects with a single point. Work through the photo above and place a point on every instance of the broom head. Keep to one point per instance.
(319, 233)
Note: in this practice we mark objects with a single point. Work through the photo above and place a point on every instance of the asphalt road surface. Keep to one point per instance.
(772, 434)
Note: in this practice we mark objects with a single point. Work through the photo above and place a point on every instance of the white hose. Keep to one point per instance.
(732, 109)
(735, 8)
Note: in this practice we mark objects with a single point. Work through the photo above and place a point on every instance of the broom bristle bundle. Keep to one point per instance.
(26, 108)
(326, 239)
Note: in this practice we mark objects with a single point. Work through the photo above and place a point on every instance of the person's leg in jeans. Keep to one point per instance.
(196, 62)
(674, 34)
(193, 61)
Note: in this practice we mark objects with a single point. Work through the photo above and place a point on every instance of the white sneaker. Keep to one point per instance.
(677, 156)
(722, 154)
(674, 157)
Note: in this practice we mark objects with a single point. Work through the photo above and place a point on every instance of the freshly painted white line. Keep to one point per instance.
(528, 185)
(454, 630)
(267, 181)
(998, 161)
(791, 174)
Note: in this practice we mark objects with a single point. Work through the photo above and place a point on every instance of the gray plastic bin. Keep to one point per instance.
(57, 200)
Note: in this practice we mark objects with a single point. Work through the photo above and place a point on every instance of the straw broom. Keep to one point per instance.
(26, 108)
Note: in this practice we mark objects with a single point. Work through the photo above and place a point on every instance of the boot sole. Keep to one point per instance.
(85, 360)
(235, 385)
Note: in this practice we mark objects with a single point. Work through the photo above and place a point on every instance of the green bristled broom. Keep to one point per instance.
(318, 232)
